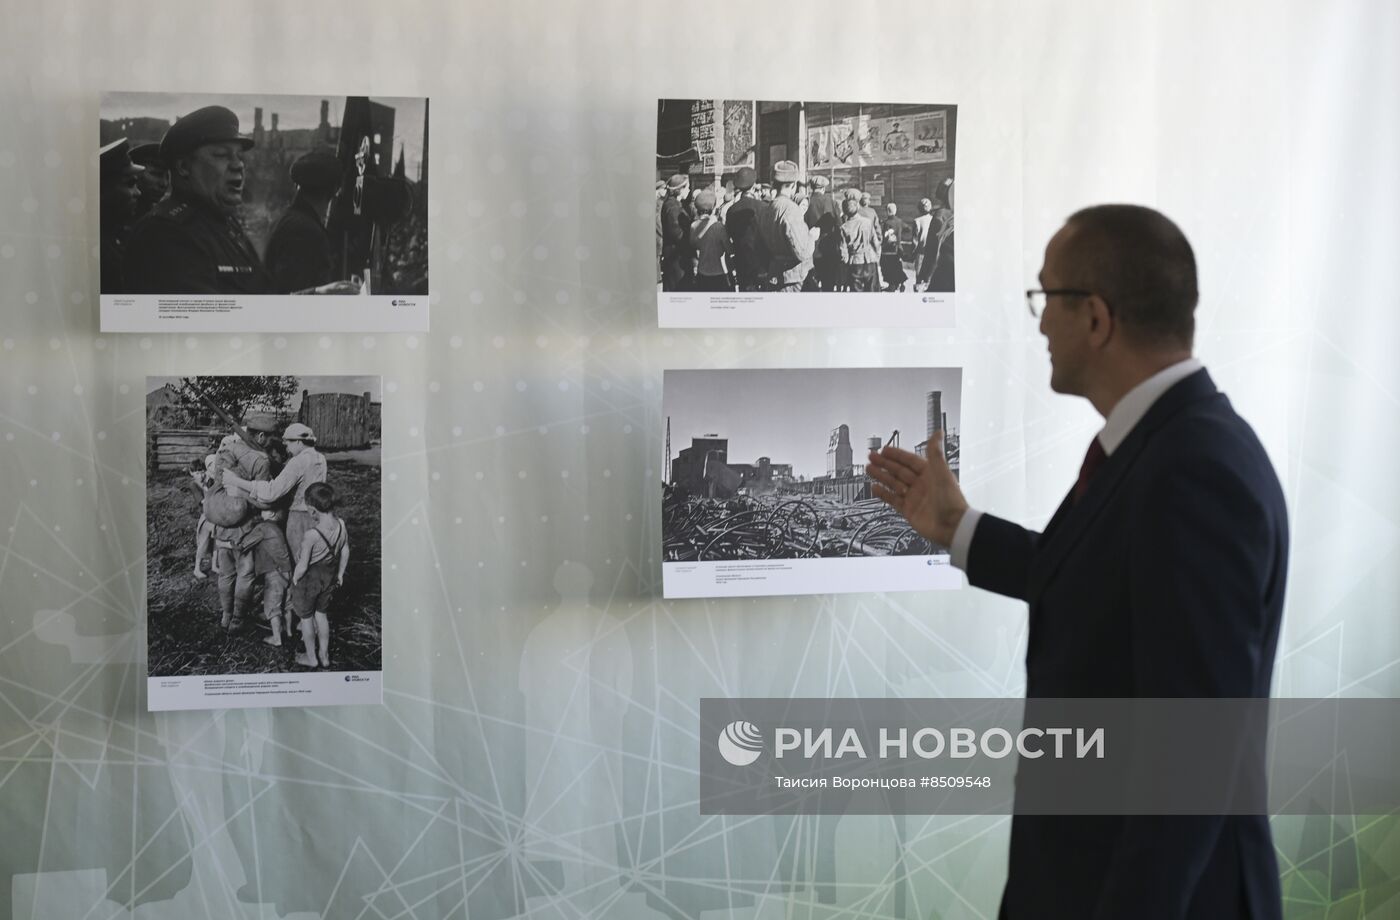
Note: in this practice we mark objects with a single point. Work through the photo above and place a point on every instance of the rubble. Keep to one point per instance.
(782, 525)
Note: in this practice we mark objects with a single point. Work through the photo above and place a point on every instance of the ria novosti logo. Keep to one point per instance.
(740, 743)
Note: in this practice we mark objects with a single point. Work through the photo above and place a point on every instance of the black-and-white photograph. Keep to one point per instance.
(757, 198)
(263, 540)
(764, 465)
(217, 209)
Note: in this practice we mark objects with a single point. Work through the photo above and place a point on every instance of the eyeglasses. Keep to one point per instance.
(1037, 298)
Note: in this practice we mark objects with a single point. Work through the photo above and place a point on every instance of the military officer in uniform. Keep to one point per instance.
(154, 181)
(299, 253)
(192, 242)
(117, 205)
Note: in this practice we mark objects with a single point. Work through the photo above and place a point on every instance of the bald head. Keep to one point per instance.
(1141, 264)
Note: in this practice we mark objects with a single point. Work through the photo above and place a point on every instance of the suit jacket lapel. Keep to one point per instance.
(1071, 521)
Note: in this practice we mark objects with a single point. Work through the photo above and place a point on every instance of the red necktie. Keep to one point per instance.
(1093, 459)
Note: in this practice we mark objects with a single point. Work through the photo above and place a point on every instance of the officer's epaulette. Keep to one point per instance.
(172, 210)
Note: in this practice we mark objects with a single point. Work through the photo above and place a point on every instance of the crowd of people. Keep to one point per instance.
(276, 532)
(793, 235)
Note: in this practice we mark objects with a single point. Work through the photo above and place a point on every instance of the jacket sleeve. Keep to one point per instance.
(1197, 579)
(271, 490)
(1000, 557)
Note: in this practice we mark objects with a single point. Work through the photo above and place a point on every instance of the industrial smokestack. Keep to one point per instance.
(935, 412)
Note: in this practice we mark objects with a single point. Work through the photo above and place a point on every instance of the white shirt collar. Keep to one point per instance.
(1135, 403)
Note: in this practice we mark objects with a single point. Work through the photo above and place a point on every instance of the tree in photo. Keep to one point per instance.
(238, 396)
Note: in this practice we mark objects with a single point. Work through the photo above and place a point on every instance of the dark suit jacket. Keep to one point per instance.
(1165, 580)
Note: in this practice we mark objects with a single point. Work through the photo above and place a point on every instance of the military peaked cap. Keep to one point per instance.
(212, 124)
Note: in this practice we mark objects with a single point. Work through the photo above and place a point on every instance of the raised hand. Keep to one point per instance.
(922, 489)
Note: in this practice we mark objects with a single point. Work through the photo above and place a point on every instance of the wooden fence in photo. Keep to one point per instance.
(174, 448)
(341, 421)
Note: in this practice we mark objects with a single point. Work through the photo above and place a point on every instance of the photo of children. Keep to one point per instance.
(277, 479)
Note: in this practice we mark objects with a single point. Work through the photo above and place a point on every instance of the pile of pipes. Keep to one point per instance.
(778, 526)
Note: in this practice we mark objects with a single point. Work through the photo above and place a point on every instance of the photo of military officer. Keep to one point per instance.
(192, 242)
(245, 196)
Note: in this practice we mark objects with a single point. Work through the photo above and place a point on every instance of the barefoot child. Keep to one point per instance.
(321, 560)
(272, 560)
(202, 472)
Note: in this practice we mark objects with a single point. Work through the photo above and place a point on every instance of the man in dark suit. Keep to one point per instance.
(1161, 574)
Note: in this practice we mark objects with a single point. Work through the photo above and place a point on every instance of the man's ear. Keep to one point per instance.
(1101, 320)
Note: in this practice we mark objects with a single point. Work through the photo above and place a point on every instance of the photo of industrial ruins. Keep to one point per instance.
(770, 464)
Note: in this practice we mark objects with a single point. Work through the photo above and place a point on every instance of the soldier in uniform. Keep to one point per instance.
(299, 252)
(117, 205)
(154, 181)
(192, 242)
(235, 563)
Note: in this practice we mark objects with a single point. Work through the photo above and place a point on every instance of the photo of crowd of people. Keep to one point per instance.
(263, 525)
(804, 197)
(321, 196)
